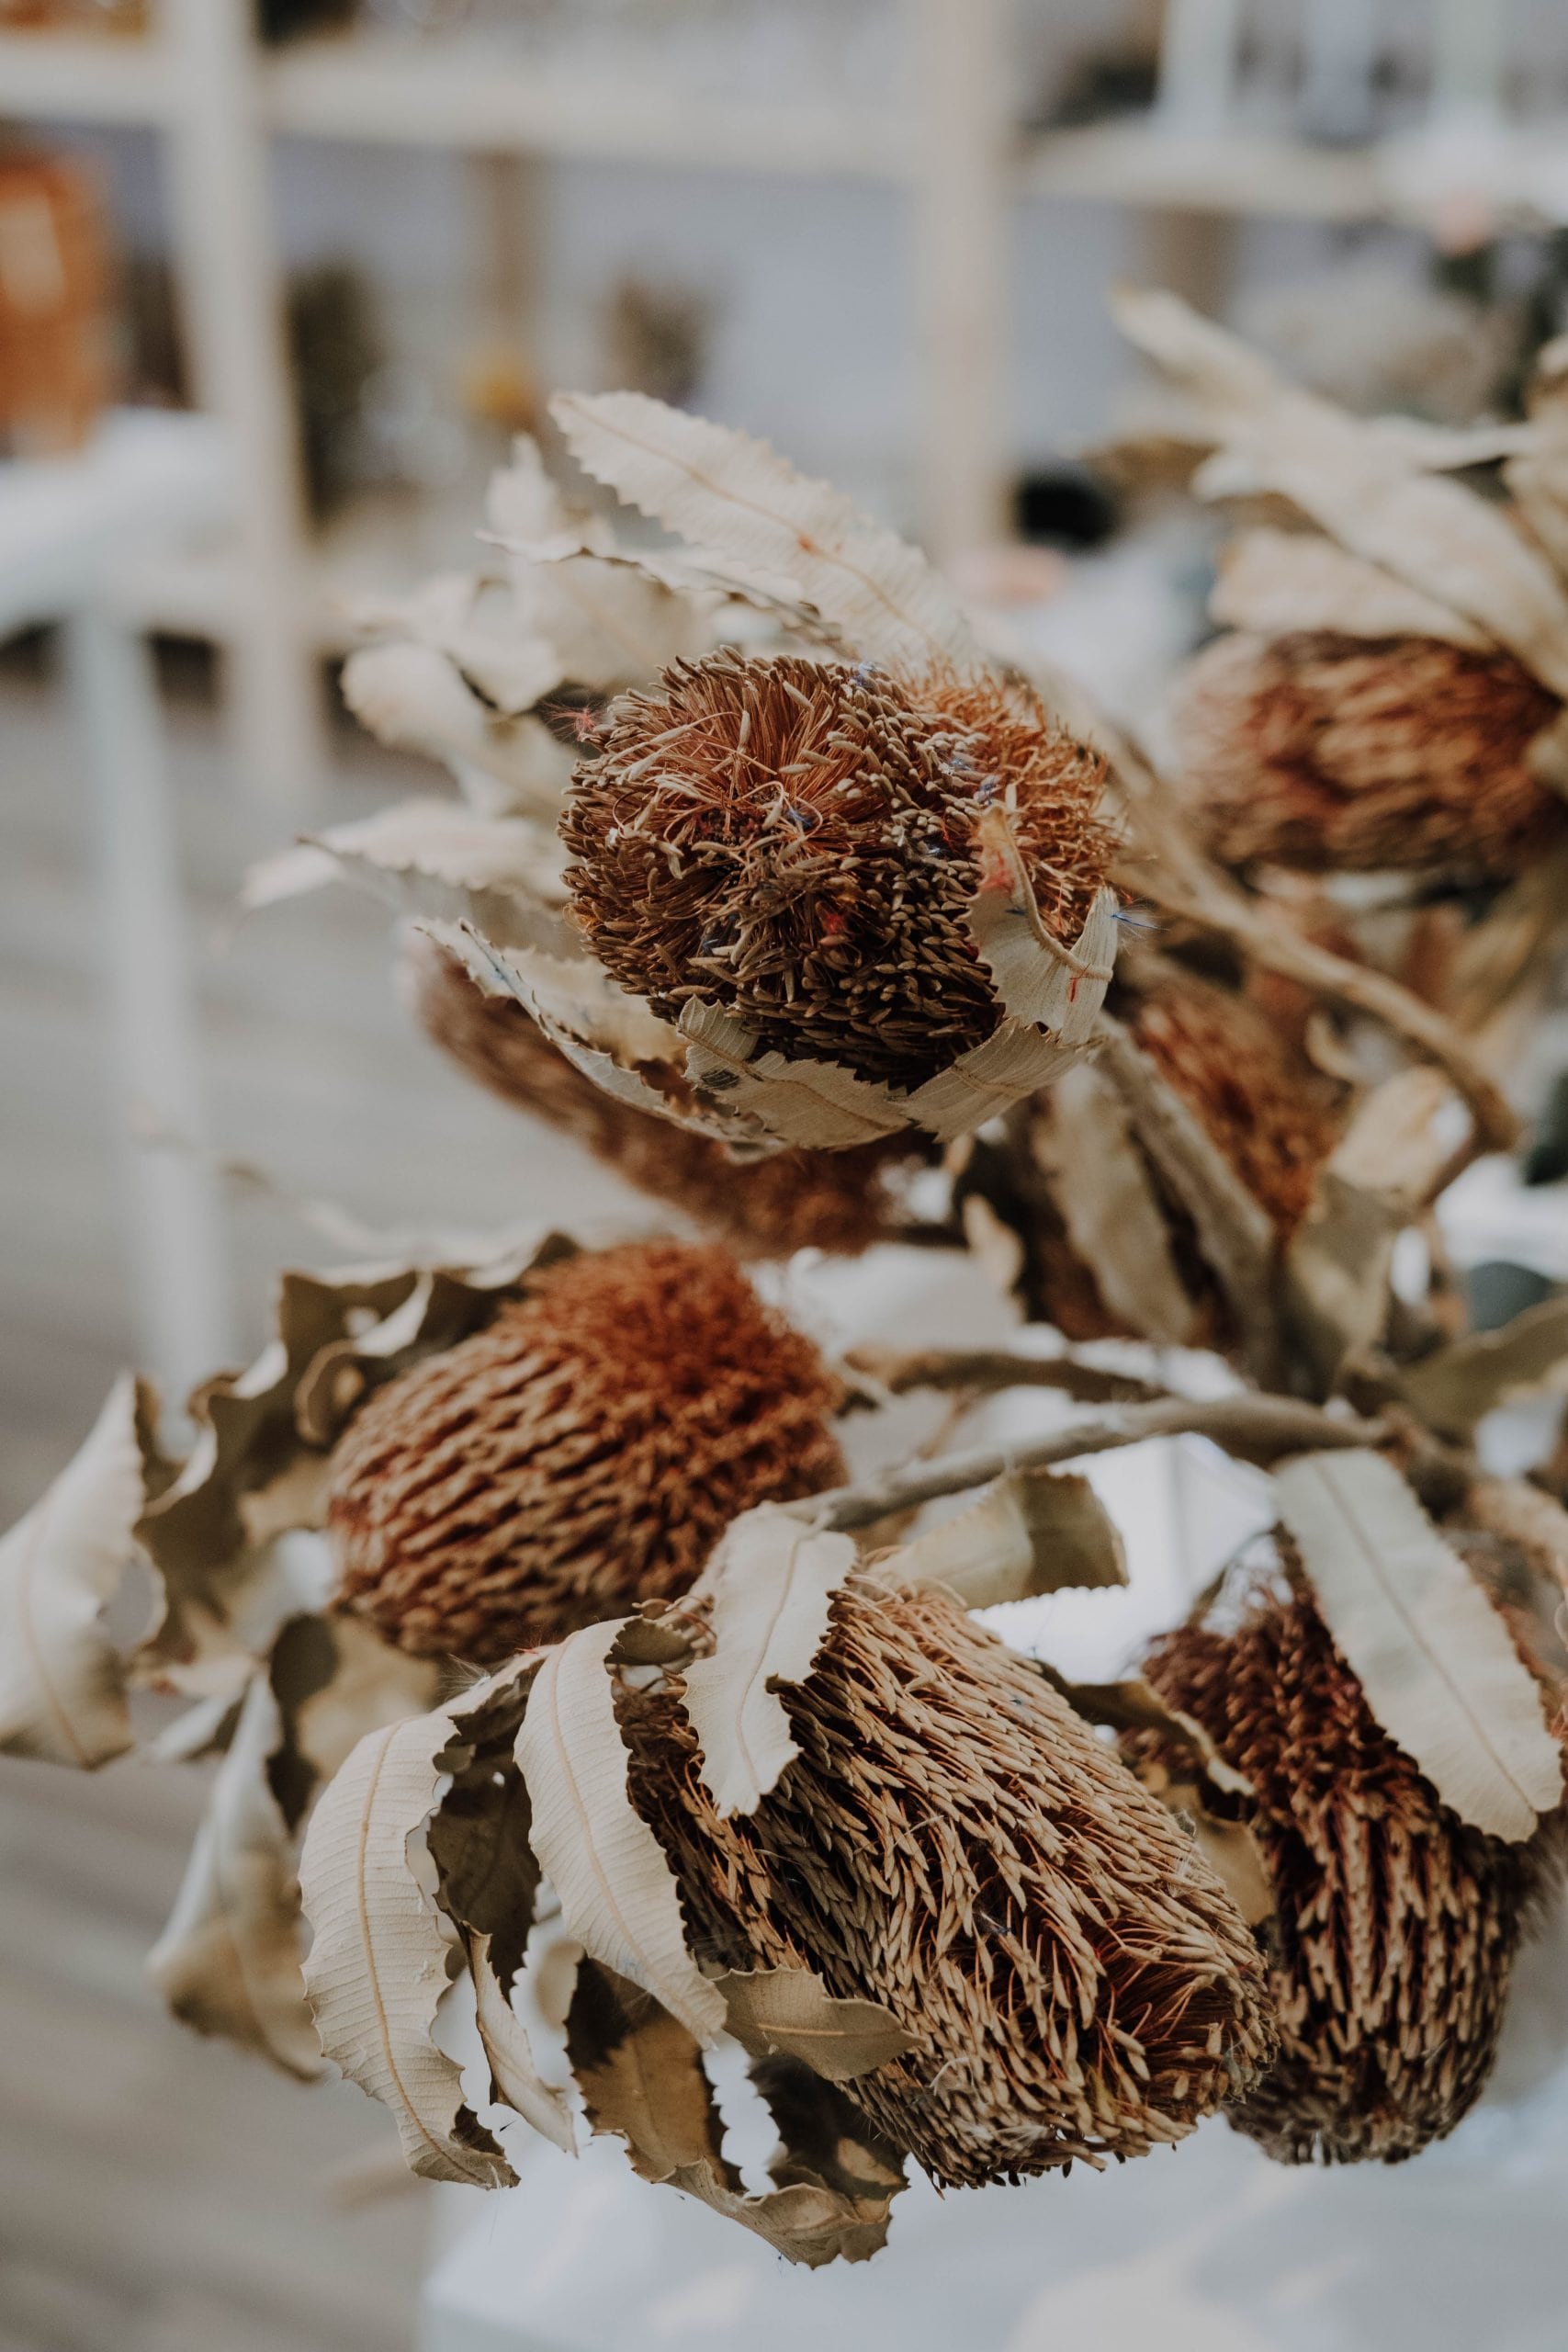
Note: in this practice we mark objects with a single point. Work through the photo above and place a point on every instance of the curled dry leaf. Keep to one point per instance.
(229, 1960)
(1134, 1705)
(62, 1678)
(1440, 1670)
(1035, 1530)
(724, 490)
(1082, 1139)
(618, 1893)
(772, 1582)
(1458, 1386)
(515, 2077)
(1228, 1846)
(641, 2077)
(1274, 582)
(789, 2012)
(382, 1956)
(413, 698)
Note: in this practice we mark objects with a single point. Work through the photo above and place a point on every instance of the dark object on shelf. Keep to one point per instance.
(656, 337)
(1100, 88)
(281, 20)
(1065, 506)
(1546, 1160)
(1496, 1291)
(56, 304)
(336, 346)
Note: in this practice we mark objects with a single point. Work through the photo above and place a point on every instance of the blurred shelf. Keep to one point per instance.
(65, 78)
(365, 90)
(1242, 172)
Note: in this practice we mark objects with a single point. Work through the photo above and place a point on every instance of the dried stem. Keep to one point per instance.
(980, 1369)
(1255, 1429)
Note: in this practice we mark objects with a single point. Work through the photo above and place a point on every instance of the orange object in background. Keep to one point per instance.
(56, 359)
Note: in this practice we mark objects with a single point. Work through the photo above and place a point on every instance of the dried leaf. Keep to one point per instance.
(487, 1876)
(618, 1893)
(414, 697)
(1228, 1846)
(510, 664)
(1275, 582)
(335, 1678)
(515, 2080)
(229, 1961)
(62, 1678)
(1136, 1705)
(790, 2011)
(641, 2077)
(1455, 1388)
(772, 1582)
(1514, 1508)
(1360, 485)
(380, 1958)
(1435, 1661)
(1083, 1143)
(1039, 979)
(1034, 1531)
(725, 489)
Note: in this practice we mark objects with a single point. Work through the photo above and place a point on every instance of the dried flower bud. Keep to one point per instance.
(1258, 1098)
(1396, 1924)
(581, 1453)
(793, 841)
(836, 1201)
(952, 1841)
(1330, 753)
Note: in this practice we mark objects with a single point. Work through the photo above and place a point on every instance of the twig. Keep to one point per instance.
(1255, 1429)
(984, 1369)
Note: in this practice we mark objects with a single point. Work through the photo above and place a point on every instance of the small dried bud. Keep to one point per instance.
(581, 1453)
(952, 1841)
(1342, 753)
(836, 1201)
(1257, 1096)
(793, 843)
(1397, 1924)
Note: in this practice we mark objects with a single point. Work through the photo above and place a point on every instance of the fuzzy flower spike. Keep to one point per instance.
(828, 897)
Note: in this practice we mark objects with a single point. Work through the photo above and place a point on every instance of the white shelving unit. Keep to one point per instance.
(218, 98)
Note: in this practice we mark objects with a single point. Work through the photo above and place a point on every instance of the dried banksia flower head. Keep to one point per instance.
(1346, 753)
(794, 843)
(836, 1201)
(1396, 1923)
(953, 1842)
(583, 1453)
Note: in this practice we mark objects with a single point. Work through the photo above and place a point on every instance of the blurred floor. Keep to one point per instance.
(158, 2194)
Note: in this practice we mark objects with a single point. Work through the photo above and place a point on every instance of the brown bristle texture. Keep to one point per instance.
(952, 1841)
(793, 841)
(1335, 754)
(1265, 1106)
(838, 1201)
(583, 1452)
(1397, 1924)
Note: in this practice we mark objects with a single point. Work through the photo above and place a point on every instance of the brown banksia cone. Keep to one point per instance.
(793, 843)
(583, 1452)
(953, 1842)
(1396, 1923)
(838, 1201)
(1342, 753)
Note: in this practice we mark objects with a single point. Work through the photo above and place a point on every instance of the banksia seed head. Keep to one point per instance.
(1343, 754)
(1396, 1923)
(836, 1201)
(952, 1841)
(1258, 1098)
(583, 1453)
(793, 841)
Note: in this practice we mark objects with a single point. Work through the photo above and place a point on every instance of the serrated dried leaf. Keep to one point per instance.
(1135, 1705)
(618, 1893)
(413, 698)
(334, 1678)
(62, 1676)
(641, 2077)
(1039, 981)
(697, 572)
(1032, 1531)
(722, 488)
(439, 860)
(1524, 1514)
(1455, 1388)
(515, 2080)
(1233, 1231)
(229, 1961)
(1434, 1657)
(1229, 1847)
(1082, 1142)
(772, 1582)
(471, 620)
(1360, 484)
(790, 2011)
(487, 1875)
(1275, 582)
(380, 1958)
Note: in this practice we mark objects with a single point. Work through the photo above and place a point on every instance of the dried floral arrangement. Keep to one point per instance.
(549, 1650)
